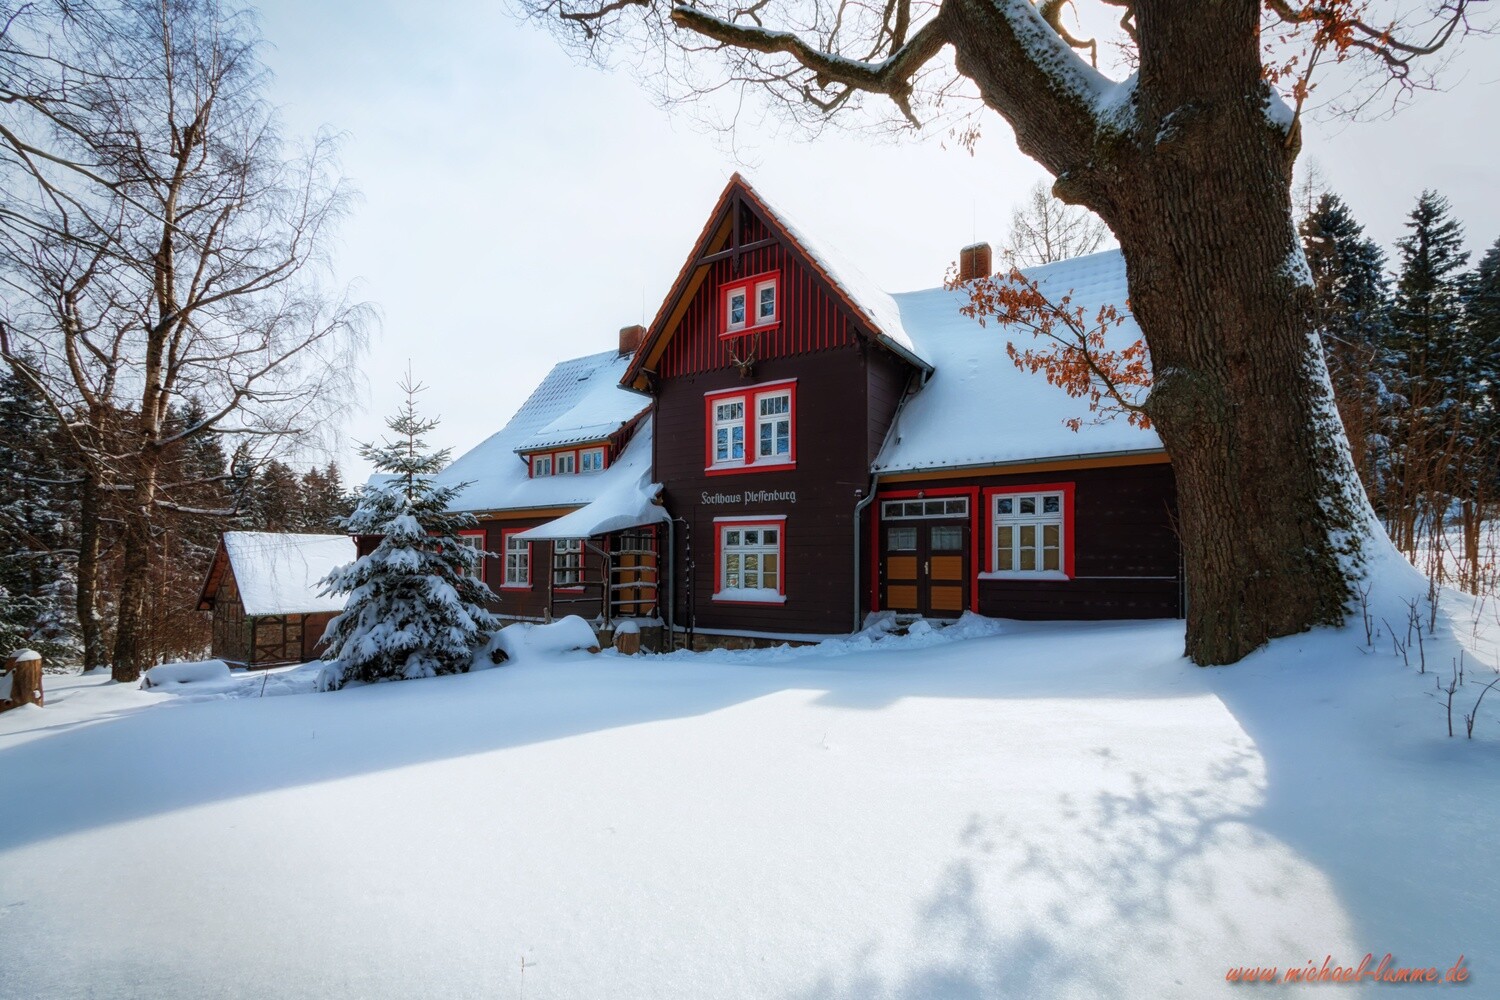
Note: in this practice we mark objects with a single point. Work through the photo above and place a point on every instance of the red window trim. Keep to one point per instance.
(480, 534)
(751, 395)
(747, 284)
(1066, 489)
(975, 535)
(555, 453)
(722, 523)
(505, 534)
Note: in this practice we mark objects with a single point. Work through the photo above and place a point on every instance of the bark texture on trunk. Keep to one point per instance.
(1194, 176)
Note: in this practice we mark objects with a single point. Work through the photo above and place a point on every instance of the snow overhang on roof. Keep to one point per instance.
(628, 503)
(978, 409)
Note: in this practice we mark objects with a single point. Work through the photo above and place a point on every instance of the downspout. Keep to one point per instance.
(865, 502)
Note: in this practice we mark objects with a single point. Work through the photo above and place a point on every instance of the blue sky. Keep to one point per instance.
(519, 208)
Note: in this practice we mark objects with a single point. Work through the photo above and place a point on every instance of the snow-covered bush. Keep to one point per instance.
(195, 672)
(416, 605)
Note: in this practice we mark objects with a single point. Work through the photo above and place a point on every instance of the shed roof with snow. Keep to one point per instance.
(278, 573)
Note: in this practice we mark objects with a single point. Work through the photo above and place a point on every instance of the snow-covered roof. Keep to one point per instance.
(978, 408)
(278, 573)
(877, 305)
(626, 499)
(580, 400)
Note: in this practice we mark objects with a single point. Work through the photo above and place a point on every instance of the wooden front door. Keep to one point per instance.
(926, 568)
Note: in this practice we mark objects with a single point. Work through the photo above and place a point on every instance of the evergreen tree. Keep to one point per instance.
(1425, 339)
(415, 605)
(1482, 338)
(1351, 308)
(38, 534)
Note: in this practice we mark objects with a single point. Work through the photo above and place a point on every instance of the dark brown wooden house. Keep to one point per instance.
(263, 590)
(821, 449)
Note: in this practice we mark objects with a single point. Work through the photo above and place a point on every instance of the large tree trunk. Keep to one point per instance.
(1194, 177)
(132, 654)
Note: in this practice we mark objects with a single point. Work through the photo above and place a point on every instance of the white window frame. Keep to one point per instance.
(517, 556)
(1037, 520)
(475, 540)
(730, 425)
(760, 318)
(762, 458)
(584, 463)
(723, 528)
(541, 465)
(741, 291)
(564, 549)
(558, 464)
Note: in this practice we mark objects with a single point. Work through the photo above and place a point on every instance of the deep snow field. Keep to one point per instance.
(994, 810)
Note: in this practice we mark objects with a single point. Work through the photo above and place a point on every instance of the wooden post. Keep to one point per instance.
(23, 669)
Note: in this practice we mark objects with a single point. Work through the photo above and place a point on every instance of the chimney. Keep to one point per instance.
(630, 339)
(974, 262)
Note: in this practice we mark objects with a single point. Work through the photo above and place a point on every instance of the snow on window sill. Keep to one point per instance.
(740, 331)
(1018, 574)
(745, 595)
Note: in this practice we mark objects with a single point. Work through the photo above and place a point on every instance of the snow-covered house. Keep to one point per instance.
(818, 448)
(263, 589)
(563, 496)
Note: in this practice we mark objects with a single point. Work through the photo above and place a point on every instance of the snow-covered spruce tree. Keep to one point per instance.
(416, 605)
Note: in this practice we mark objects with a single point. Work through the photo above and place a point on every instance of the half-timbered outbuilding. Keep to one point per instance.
(794, 448)
(266, 597)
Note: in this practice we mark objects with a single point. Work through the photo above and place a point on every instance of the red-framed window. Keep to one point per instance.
(749, 429)
(1031, 533)
(569, 461)
(515, 560)
(750, 304)
(474, 539)
(750, 560)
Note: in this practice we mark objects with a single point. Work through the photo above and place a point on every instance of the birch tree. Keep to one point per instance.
(162, 246)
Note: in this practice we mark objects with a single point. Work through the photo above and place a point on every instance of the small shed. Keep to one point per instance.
(263, 589)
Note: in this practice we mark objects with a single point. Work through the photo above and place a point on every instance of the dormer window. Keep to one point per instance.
(751, 304)
(568, 462)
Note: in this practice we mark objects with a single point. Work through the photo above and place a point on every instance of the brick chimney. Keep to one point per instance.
(630, 339)
(974, 262)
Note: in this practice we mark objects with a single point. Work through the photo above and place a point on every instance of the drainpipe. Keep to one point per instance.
(859, 582)
(865, 502)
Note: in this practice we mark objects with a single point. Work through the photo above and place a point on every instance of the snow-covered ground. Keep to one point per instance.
(1060, 810)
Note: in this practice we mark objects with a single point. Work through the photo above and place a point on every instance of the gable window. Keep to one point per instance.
(591, 460)
(567, 562)
(752, 428)
(750, 560)
(541, 465)
(765, 302)
(1031, 532)
(517, 553)
(749, 304)
(475, 541)
(565, 463)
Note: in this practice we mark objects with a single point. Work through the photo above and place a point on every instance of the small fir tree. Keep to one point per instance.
(416, 607)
